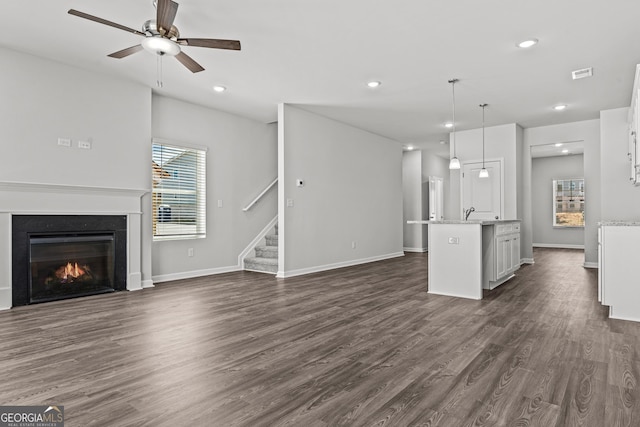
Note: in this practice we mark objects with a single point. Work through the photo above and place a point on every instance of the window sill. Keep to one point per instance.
(183, 237)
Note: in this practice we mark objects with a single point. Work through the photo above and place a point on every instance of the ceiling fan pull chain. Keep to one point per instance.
(159, 64)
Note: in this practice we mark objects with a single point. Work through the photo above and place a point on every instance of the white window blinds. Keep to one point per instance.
(179, 191)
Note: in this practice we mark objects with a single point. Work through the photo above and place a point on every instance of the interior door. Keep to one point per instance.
(436, 209)
(483, 194)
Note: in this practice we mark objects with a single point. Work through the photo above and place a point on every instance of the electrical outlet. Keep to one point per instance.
(84, 144)
(454, 240)
(219, 203)
(289, 203)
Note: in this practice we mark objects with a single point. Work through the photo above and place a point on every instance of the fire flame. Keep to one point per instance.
(70, 271)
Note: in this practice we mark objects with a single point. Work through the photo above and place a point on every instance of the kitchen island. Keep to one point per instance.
(466, 257)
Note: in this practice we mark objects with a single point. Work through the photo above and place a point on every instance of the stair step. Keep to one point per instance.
(267, 252)
(272, 240)
(266, 265)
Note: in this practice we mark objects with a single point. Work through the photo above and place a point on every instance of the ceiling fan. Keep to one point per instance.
(162, 37)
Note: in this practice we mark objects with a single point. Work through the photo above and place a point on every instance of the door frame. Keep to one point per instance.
(472, 162)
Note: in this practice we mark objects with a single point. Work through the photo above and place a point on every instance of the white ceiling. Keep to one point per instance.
(320, 54)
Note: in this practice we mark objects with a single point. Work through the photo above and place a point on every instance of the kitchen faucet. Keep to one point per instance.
(467, 212)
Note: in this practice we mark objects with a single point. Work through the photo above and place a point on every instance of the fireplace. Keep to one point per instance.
(67, 256)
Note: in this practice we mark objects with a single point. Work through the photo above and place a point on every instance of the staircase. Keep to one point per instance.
(266, 256)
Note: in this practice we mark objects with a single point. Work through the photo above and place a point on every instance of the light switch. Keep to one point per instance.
(219, 203)
(65, 142)
(289, 203)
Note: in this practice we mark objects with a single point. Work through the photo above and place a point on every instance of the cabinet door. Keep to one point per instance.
(503, 256)
(515, 252)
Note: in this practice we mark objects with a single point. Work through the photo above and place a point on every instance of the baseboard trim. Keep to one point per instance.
(557, 246)
(195, 273)
(527, 261)
(414, 249)
(146, 284)
(320, 268)
(590, 265)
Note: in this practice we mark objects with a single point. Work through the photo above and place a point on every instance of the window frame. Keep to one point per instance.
(571, 204)
(200, 191)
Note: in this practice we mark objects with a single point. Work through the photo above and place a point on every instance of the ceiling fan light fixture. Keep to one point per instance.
(218, 88)
(160, 46)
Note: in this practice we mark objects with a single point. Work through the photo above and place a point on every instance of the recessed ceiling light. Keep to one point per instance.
(219, 88)
(565, 151)
(373, 83)
(559, 144)
(527, 43)
(442, 142)
(448, 125)
(560, 107)
(410, 147)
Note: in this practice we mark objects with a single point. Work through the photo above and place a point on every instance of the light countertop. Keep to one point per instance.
(471, 221)
(620, 223)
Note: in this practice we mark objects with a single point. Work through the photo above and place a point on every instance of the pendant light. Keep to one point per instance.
(484, 173)
(454, 163)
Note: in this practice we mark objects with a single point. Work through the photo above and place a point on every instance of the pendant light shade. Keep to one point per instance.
(454, 163)
(484, 173)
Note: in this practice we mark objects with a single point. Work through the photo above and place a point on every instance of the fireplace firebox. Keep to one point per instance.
(67, 266)
(67, 256)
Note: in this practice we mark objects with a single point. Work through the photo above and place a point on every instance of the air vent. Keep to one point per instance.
(581, 74)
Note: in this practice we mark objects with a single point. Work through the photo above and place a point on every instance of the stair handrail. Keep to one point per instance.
(250, 205)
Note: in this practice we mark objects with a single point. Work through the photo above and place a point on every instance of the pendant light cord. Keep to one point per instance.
(453, 91)
(483, 105)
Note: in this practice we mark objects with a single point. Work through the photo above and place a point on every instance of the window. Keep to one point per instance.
(568, 200)
(179, 191)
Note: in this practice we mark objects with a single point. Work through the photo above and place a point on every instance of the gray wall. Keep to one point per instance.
(45, 100)
(543, 171)
(352, 193)
(587, 131)
(241, 162)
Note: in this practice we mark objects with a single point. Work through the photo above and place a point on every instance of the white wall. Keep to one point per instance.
(620, 199)
(501, 142)
(352, 193)
(413, 201)
(43, 100)
(587, 131)
(544, 170)
(241, 162)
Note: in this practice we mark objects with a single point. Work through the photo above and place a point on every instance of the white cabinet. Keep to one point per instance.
(502, 253)
(634, 130)
(618, 254)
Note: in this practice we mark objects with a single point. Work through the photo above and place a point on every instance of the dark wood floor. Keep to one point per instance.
(359, 346)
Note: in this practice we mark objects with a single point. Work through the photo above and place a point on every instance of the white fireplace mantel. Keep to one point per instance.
(23, 198)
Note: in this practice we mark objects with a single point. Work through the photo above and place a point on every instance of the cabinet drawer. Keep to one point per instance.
(503, 229)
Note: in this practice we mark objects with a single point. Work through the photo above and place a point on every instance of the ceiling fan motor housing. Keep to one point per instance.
(151, 28)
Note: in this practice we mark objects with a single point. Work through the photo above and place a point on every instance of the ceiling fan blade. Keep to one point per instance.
(212, 43)
(188, 62)
(126, 52)
(104, 21)
(166, 13)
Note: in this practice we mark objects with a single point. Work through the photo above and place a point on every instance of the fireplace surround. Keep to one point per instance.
(66, 256)
(36, 199)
